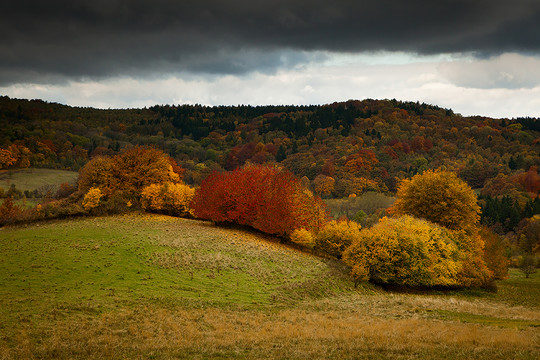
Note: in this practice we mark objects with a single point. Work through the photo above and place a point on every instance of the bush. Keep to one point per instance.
(336, 236)
(169, 198)
(303, 237)
(92, 198)
(264, 197)
(9, 212)
(405, 251)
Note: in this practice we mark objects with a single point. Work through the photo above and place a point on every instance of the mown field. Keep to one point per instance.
(34, 178)
(156, 287)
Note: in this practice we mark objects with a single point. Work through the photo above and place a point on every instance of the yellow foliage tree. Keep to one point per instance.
(152, 197)
(170, 198)
(303, 237)
(178, 198)
(440, 197)
(92, 198)
(336, 236)
(405, 251)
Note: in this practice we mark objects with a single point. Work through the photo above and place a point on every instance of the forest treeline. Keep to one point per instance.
(339, 150)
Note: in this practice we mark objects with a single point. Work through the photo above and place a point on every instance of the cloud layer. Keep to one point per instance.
(313, 83)
(58, 40)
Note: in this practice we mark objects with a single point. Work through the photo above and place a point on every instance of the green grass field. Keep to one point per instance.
(148, 286)
(34, 178)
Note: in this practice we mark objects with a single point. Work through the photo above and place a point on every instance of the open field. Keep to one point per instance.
(146, 286)
(34, 178)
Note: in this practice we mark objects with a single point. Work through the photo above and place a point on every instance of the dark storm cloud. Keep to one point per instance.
(54, 40)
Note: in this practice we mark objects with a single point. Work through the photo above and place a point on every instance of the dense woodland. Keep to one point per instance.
(338, 151)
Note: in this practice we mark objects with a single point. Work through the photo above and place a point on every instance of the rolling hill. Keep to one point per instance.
(149, 286)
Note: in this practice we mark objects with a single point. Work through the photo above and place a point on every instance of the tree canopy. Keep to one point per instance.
(440, 197)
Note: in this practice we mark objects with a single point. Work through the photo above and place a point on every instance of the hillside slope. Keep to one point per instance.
(146, 286)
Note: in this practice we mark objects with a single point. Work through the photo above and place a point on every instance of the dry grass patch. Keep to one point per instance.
(292, 333)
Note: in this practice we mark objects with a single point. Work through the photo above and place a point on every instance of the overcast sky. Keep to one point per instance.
(477, 57)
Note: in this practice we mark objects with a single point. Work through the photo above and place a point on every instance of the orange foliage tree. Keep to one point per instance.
(139, 167)
(125, 175)
(323, 184)
(494, 253)
(264, 197)
(365, 159)
(530, 181)
(14, 156)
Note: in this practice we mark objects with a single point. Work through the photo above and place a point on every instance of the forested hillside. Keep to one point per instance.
(338, 150)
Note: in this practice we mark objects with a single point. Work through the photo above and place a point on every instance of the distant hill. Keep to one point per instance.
(338, 149)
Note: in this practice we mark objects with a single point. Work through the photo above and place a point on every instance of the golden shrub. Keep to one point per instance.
(92, 198)
(303, 237)
(405, 251)
(170, 198)
(336, 236)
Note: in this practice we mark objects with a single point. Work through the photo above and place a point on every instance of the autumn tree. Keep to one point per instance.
(323, 185)
(266, 198)
(125, 175)
(495, 253)
(169, 198)
(303, 237)
(440, 197)
(139, 167)
(336, 236)
(9, 211)
(405, 251)
(14, 156)
(92, 198)
(98, 173)
(365, 159)
(527, 265)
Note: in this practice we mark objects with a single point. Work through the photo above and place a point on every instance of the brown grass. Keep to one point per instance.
(291, 333)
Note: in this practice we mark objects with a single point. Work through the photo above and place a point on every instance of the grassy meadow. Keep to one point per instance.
(155, 287)
(35, 178)
(32, 179)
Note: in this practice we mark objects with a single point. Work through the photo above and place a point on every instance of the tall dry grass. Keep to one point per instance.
(292, 333)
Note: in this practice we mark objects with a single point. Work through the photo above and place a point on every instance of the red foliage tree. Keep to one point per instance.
(365, 159)
(266, 198)
(530, 180)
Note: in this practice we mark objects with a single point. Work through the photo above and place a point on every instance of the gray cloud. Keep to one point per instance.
(55, 40)
(508, 71)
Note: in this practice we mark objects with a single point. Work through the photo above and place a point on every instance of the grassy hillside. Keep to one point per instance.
(32, 179)
(143, 286)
